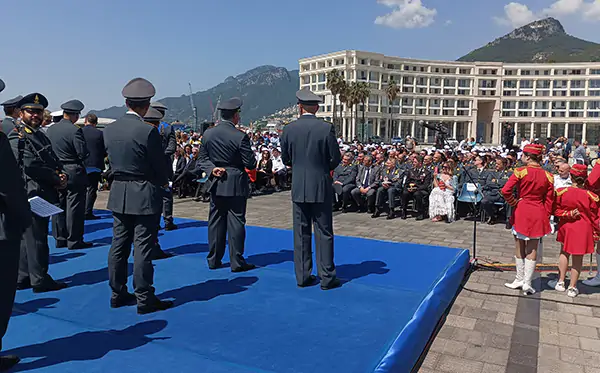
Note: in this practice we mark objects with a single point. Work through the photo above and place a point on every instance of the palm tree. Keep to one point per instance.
(362, 95)
(392, 92)
(343, 93)
(334, 78)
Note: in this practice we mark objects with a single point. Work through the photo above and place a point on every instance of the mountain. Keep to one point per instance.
(264, 90)
(543, 41)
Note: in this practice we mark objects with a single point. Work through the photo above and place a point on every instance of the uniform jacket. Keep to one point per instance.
(137, 161)
(577, 233)
(495, 181)
(310, 147)
(394, 176)
(15, 214)
(226, 146)
(421, 177)
(345, 174)
(169, 144)
(94, 140)
(8, 124)
(593, 180)
(40, 165)
(70, 146)
(531, 213)
(372, 181)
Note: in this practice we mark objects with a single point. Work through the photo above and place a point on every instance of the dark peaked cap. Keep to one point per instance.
(72, 107)
(139, 89)
(153, 115)
(233, 104)
(13, 102)
(159, 106)
(306, 97)
(33, 101)
(2, 85)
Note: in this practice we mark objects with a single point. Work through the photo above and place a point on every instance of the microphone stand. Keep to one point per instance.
(474, 263)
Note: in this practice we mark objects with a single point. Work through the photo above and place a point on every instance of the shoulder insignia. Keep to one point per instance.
(27, 129)
(593, 196)
(550, 177)
(520, 172)
(561, 191)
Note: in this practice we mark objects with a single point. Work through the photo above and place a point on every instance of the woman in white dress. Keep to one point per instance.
(441, 198)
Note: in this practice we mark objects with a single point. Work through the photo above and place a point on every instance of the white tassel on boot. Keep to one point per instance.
(529, 270)
(518, 282)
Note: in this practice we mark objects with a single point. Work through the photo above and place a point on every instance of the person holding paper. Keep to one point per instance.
(43, 178)
(70, 146)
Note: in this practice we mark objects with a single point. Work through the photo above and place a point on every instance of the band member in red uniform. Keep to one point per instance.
(532, 208)
(577, 210)
(593, 184)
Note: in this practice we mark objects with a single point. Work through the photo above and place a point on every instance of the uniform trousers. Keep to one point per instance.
(168, 206)
(384, 194)
(141, 231)
(9, 268)
(488, 204)
(359, 198)
(68, 226)
(35, 253)
(92, 192)
(227, 222)
(344, 198)
(319, 215)
(419, 196)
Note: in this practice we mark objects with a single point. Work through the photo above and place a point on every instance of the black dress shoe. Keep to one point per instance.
(376, 214)
(81, 246)
(403, 215)
(125, 299)
(310, 281)
(335, 283)
(8, 361)
(92, 217)
(170, 227)
(162, 255)
(161, 305)
(23, 285)
(61, 244)
(50, 286)
(391, 215)
(244, 268)
(216, 266)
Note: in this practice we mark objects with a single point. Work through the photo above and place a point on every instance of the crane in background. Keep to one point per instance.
(194, 110)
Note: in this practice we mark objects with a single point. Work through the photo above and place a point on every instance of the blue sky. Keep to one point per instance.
(88, 49)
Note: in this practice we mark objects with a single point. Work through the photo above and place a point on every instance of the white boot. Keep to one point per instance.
(518, 282)
(529, 270)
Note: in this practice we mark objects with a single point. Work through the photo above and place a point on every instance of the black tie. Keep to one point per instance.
(366, 182)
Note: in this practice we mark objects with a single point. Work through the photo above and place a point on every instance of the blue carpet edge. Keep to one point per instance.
(408, 345)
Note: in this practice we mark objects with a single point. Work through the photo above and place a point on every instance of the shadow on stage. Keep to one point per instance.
(91, 277)
(86, 346)
(193, 248)
(208, 290)
(91, 228)
(32, 306)
(61, 258)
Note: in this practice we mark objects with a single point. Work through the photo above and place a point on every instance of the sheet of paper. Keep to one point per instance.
(471, 187)
(43, 208)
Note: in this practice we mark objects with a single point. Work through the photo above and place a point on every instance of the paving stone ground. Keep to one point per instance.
(483, 333)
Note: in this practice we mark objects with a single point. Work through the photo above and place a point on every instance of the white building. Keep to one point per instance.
(474, 99)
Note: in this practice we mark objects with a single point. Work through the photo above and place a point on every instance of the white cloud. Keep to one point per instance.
(406, 14)
(448, 22)
(591, 12)
(563, 8)
(516, 15)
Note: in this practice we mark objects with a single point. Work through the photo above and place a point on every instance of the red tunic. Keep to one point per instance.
(593, 181)
(576, 234)
(532, 209)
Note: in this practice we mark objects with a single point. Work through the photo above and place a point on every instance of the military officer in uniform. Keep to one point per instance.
(169, 143)
(94, 163)
(153, 117)
(310, 147)
(344, 181)
(417, 185)
(70, 146)
(390, 185)
(11, 111)
(224, 155)
(136, 159)
(43, 176)
(15, 217)
(491, 190)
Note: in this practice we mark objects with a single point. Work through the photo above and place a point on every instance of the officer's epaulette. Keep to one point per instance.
(520, 172)
(561, 191)
(593, 196)
(27, 129)
(550, 177)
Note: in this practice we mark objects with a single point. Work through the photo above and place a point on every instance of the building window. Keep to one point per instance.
(527, 84)
(575, 114)
(594, 71)
(436, 91)
(509, 104)
(407, 89)
(508, 113)
(595, 83)
(577, 84)
(577, 93)
(541, 114)
(509, 93)
(448, 71)
(542, 93)
(541, 105)
(448, 113)
(524, 113)
(558, 114)
(448, 91)
(593, 114)
(465, 71)
(542, 84)
(510, 84)
(576, 105)
(434, 112)
(422, 90)
(524, 105)
(462, 113)
(594, 93)
(435, 82)
(559, 93)
(592, 105)
(509, 72)
(464, 92)
(525, 72)
(421, 111)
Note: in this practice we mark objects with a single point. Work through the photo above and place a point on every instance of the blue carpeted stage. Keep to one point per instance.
(259, 321)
